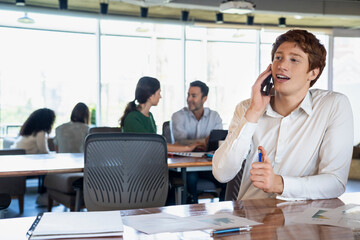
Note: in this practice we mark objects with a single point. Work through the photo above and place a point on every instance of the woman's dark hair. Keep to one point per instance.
(80, 113)
(40, 120)
(145, 88)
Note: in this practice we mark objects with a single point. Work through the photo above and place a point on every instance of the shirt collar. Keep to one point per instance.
(305, 105)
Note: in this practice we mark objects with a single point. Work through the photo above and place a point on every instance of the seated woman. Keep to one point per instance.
(34, 132)
(137, 116)
(33, 138)
(70, 136)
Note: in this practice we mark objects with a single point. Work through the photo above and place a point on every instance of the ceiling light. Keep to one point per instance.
(146, 3)
(104, 8)
(250, 20)
(20, 2)
(219, 18)
(144, 12)
(143, 28)
(184, 16)
(26, 19)
(238, 7)
(282, 22)
(238, 34)
(63, 4)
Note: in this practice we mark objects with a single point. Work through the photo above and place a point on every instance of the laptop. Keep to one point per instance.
(215, 136)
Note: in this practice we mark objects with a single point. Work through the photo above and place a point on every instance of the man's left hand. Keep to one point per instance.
(263, 176)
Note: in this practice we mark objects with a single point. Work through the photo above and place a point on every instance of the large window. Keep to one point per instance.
(151, 50)
(346, 75)
(225, 59)
(41, 68)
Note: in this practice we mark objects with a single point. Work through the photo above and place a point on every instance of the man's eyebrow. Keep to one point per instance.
(291, 53)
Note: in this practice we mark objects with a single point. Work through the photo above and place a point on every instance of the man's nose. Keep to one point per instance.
(282, 64)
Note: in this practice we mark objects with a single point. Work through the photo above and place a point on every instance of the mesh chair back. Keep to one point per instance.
(125, 171)
(166, 132)
(233, 187)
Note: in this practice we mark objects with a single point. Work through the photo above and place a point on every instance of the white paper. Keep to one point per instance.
(70, 224)
(223, 221)
(326, 216)
(163, 222)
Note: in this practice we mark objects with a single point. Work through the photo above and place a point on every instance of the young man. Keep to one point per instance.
(194, 124)
(306, 136)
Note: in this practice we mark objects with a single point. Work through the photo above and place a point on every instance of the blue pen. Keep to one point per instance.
(230, 230)
(260, 155)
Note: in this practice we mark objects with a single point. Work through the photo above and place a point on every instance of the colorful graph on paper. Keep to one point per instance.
(318, 215)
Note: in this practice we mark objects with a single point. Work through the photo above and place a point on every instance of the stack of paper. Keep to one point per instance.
(76, 225)
(163, 222)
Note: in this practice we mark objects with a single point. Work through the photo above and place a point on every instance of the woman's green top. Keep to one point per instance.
(135, 121)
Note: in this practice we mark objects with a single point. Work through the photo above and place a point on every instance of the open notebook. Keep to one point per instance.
(58, 225)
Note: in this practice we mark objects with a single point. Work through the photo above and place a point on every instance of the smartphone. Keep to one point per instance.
(266, 85)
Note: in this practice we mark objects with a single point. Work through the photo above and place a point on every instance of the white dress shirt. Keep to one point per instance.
(311, 148)
(185, 126)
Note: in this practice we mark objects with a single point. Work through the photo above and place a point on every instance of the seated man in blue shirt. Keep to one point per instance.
(194, 123)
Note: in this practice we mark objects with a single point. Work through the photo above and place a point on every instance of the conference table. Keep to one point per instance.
(275, 215)
(42, 164)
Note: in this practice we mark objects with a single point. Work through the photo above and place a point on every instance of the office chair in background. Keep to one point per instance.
(5, 200)
(67, 188)
(14, 186)
(104, 129)
(166, 132)
(125, 171)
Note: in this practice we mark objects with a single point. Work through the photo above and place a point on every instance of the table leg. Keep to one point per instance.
(184, 192)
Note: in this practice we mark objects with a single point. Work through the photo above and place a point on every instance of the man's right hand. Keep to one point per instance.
(258, 101)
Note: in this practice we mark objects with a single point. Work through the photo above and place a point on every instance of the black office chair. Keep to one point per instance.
(232, 188)
(125, 171)
(5, 200)
(166, 132)
(104, 129)
(14, 186)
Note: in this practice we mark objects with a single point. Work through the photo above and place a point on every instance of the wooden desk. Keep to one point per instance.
(274, 214)
(41, 164)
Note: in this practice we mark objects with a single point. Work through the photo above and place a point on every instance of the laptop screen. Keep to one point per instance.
(215, 136)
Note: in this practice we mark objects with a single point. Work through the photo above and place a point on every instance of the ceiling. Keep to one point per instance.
(312, 13)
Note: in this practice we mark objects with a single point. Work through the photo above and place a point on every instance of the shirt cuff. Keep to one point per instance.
(291, 189)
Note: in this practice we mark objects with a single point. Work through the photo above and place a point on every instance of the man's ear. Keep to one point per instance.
(313, 74)
(204, 99)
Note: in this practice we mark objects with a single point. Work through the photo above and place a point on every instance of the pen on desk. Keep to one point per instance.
(230, 230)
(33, 226)
(260, 155)
(209, 155)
